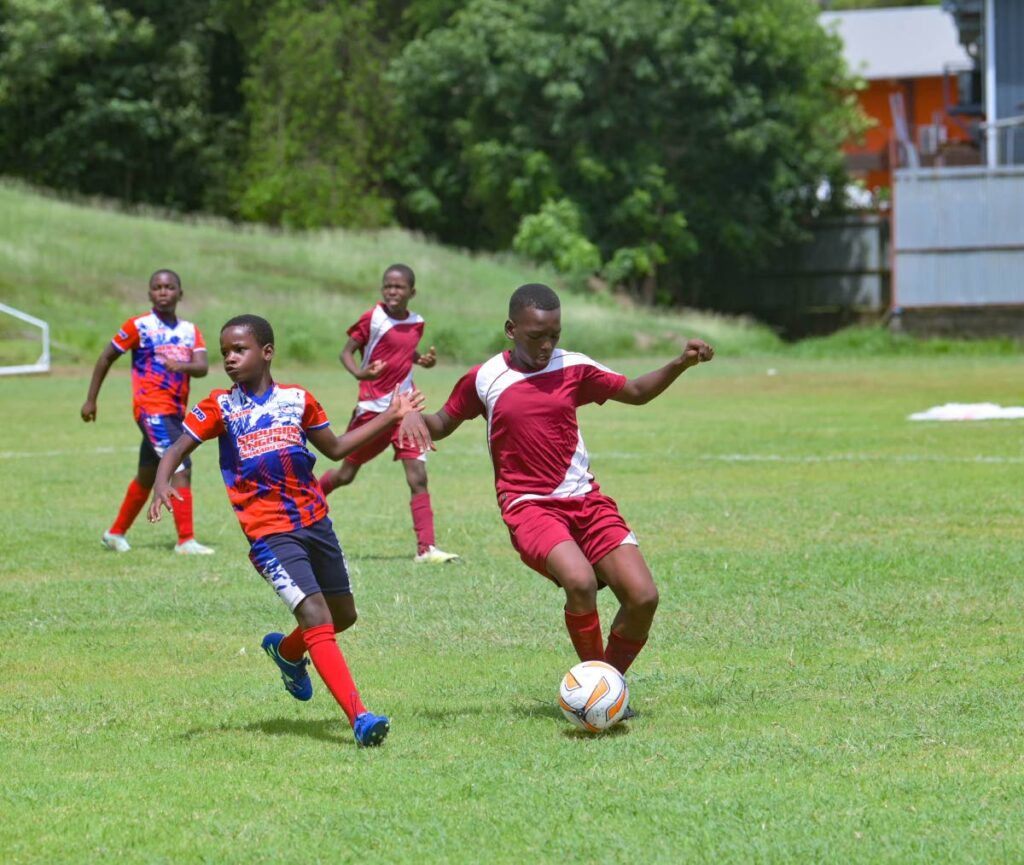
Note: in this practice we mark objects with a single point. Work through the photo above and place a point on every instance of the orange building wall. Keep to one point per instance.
(922, 100)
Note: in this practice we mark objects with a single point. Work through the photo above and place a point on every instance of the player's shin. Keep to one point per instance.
(585, 633)
(134, 500)
(622, 651)
(330, 664)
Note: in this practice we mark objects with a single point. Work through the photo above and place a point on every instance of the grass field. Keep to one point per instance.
(835, 673)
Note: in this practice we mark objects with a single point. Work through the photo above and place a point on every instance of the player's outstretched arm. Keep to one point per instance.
(99, 373)
(163, 492)
(337, 447)
(348, 360)
(643, 389)
(422, 430)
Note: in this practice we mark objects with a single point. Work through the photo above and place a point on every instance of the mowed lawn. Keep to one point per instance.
(835, 673)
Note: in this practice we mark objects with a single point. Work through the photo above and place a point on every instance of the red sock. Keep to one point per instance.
(422, 521)
(292, 647)
(585, 633)
(330, 664)
(327, 483)
(134, 499)
(622, 651)
(182, 510)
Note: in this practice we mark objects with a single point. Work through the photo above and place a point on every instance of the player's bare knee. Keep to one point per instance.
(313, 612)
(644, 602)
(344, 620)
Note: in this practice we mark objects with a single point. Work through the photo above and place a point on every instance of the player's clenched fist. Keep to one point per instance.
(697, 351)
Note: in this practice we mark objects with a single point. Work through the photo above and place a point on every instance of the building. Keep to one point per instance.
(918, 77)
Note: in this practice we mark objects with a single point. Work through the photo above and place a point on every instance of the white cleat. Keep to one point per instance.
(117, 543)
(192, 547)
(434, 556)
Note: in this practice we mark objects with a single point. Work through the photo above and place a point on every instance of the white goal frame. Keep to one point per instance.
(41, 365)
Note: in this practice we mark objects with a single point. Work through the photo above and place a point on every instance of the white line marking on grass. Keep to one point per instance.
(857, 458)
(27, 455)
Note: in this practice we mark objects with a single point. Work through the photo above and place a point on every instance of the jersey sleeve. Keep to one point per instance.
(200, 342)
(360, 331)
(464, 402)
(313, 416)
(598, 383)
(127, 337)
(205, 421)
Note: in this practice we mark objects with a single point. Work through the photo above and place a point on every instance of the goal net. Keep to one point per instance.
(24, 342)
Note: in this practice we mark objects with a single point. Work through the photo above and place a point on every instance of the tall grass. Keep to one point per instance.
(84, 269)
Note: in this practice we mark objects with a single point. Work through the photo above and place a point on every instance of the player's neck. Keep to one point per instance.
(260, 386)
(169, 317)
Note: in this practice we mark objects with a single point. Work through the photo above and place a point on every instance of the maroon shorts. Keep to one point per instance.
(593, 522)
(376, 446)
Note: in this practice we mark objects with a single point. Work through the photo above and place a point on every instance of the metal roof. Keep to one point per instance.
(904, 42)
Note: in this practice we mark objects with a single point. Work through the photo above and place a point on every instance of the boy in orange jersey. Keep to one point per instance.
(166, 352)
(387, 336)
(262, 428)
(559, 521)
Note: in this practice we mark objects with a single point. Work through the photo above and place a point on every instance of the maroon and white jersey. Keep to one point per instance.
(394, 340)
(532, 432)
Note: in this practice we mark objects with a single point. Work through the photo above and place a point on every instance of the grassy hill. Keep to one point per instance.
(84, 270)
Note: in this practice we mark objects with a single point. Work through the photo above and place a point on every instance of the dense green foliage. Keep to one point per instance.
(662, 145)
(669, 127)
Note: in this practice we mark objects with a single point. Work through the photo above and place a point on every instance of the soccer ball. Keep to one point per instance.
(593, 696)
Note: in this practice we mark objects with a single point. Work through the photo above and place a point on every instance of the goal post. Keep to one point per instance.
(43, 363)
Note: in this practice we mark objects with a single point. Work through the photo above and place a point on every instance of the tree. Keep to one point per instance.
(101, 98)
(320, 121)
(684, 135)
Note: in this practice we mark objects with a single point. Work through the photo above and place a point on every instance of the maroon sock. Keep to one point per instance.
(182, 510)
(622, 651)
(330, 664)
(327, 482)
(585, 633)
(422, 521)
(134, 500)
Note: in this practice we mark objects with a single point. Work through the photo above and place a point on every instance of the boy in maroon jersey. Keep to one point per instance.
(560, 523)
(262, 428)
(387, 336)
(166, 352)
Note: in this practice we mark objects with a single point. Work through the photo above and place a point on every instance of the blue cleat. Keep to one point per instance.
(296, 679)
(371, 729)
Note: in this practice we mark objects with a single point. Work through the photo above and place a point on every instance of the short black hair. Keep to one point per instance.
(403, 269)
(177, 278)
(533, 294)
(259, 327)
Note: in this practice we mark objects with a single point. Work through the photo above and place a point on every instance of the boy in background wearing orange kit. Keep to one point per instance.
(262, 428)
(559, 521)
(387, 336)
(166, 352)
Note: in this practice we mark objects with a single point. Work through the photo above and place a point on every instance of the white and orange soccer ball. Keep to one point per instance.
(593, 696)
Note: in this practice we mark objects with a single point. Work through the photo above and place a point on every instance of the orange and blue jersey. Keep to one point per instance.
(266, 466)
(152, 341)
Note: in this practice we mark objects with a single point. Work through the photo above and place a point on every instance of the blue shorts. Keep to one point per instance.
(301, 563)
(159, 432)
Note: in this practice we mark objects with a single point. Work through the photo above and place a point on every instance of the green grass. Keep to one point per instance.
(84, 270)
(834, 676)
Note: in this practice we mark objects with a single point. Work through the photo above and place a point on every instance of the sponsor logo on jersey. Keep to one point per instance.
(173, 351)
(239, 414)
(122, 335)
(199, 413)
(262, 441)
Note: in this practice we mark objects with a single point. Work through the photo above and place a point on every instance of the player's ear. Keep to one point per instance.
(268, 351)
(510, 328)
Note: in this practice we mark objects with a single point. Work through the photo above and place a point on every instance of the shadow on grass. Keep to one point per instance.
(326, 730)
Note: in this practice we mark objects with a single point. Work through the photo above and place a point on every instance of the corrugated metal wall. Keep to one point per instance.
(958, 237)
(1009, 15)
